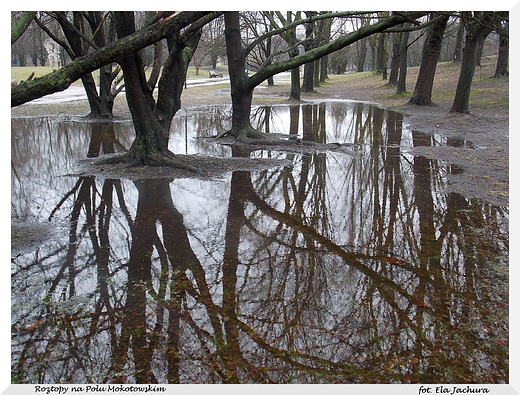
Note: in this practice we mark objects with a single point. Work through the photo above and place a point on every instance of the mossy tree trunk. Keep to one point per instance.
(20, 24)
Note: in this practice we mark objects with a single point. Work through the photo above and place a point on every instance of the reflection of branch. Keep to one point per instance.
(291, 357)
(350, 259)
(70, 193)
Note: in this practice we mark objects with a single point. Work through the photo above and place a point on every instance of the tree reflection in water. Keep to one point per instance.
(341, 268)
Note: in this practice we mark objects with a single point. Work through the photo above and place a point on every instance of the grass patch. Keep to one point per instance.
(398, 95)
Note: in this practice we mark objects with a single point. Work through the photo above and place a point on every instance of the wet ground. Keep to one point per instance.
(353, 265)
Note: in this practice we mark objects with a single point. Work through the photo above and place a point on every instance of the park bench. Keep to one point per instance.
(212, 74)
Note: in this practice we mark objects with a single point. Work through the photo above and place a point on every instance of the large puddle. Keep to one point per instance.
(342, 267)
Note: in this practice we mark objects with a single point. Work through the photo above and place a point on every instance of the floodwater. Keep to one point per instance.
(350, 266)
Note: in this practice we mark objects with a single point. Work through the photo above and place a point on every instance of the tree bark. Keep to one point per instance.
(422, 94)
(394, 64)
(381, 58)
(324, 65)
(241, 92)
(20, 25)
(361, 51)
(308, 68)
(457, 52)
(152, 119)
(295, 92)
(151, 140)
(478, 26)
(403, 63)
(503, 56)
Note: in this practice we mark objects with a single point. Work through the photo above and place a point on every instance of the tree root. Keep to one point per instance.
(162, 159)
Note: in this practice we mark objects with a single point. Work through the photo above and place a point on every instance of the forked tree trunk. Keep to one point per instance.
(151, 139)
(152, 119)
(476, 29)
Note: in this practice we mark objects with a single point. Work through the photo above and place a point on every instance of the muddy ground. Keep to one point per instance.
(485, 167)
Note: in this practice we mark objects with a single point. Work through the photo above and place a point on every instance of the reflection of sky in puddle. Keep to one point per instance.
(351, 266)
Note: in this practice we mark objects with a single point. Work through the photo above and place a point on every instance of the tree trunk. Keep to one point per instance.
(295, 72)
(241, 93)
(422, 94)
(324, 65)
(381, 58)
(152, 120)
(100, 104)
(316, 78)
(361, 51)
(308, 77)
(394, 64)
(268, 50)
(457, 53)
(295, 84)
(308, 68)
(20, 25)
(403, 63)
(503, 57)
(477, 27)
(480, 48)
(151, 140)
